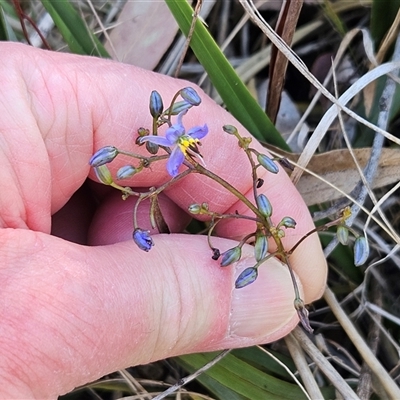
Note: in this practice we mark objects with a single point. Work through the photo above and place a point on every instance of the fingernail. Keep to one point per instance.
(266, 305)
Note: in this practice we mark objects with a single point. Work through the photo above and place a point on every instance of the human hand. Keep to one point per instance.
(72, 313)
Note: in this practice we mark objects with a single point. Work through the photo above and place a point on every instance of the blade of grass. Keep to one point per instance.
(234, 93)
(232, 377)
(6, 32)
(73, 29)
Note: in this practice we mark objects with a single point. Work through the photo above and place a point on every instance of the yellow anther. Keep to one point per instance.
(185, 142)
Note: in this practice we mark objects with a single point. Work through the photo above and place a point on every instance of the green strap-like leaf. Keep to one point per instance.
(234, 378)
(6, 31)
(73, 29)
(233, 92)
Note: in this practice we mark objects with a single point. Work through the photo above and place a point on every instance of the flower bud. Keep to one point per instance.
(103, 156)
(260, 247)
(126, 171)
(288, 222)
(190, 95)
(195, 209)
(248, 276)
(143, 239)
(268, 163)
(156, 104)
(180, 106)
(264, 205)
(198, 208)
(342, 234)
(361, 251)
(104, 175)
(230, 129)
(152, 148)
(230, 256)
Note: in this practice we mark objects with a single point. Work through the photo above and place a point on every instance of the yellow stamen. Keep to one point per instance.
(186, 142)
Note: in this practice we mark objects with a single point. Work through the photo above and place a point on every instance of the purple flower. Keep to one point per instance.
(143, 239)
(183, 143)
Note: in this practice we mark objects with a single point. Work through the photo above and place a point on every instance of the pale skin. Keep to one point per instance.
(71, 312)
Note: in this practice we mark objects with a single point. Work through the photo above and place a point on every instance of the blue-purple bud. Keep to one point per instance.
(103, 175)
(342, 234)
(361, 251)
(195, 209)
(260, 247)
(191, 96)
(230, 256)
(268, 163)
(248, 276)
(126, 171)
(230, 129)
(156, 104)
(264, 205)
(288, 222)
(103, 156)
(143, 239)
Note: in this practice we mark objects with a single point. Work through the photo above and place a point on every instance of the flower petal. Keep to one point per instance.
(180, 116)
(174, 132)
(162, 141)
(175, 161)
(198, 132)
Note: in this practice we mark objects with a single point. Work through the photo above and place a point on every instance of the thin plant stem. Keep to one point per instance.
(189, 378)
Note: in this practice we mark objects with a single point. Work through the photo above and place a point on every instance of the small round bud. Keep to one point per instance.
(248, 276)
(143, 239)
(361, 251)
(190, 95)
(342, 234)
(156, 104)
(103, 156)
(126, 171)
(268, 163)
(195, 209)
(288, 222)
(104, 175)
(152, 148)
(230, 256)
(260, 247)
(264, 205)
(230, 129)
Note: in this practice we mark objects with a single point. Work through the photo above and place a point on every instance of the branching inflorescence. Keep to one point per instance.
(181, 147)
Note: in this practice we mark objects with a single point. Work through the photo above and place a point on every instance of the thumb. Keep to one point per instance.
(78, 313)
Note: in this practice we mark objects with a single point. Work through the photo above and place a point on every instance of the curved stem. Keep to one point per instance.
(204, 171)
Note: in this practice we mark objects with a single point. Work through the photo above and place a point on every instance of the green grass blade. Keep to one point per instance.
(233, 92)
(6, 31)
(73, 29)
(233, 378)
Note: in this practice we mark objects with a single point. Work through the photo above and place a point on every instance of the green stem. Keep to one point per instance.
(199, 168)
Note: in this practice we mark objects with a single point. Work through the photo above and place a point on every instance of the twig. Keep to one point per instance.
(367, 177)
(189, 37)
(299, 359)
(335, 378)
(376, 367)
(189, 378)
(364, 388)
